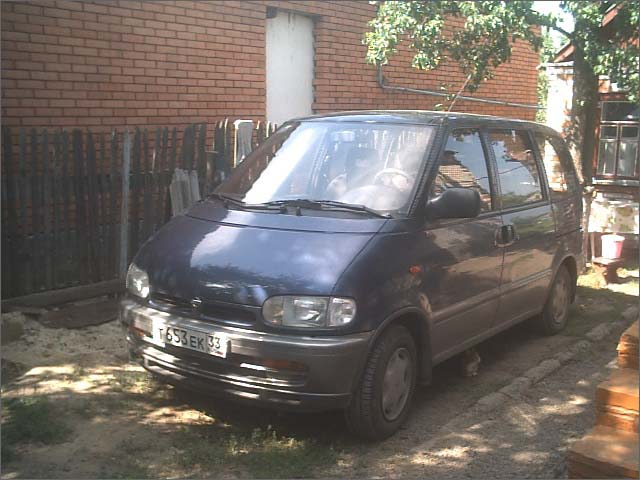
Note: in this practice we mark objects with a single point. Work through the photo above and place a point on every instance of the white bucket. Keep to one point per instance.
(612, 246)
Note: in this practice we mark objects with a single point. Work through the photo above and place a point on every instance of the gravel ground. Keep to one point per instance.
(122, 424)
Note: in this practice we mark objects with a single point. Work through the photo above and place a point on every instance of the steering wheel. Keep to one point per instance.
(389, 171)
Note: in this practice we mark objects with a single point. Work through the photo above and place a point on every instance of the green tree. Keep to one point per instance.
(489, 31)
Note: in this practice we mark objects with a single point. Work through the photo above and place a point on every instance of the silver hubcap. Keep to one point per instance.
(560, 301)
(397, 384)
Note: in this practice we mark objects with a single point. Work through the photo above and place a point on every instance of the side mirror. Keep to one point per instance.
(455, 202)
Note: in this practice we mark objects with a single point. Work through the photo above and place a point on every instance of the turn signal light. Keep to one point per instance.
(284, 365)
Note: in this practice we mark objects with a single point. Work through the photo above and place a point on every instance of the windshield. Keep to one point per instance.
(370, 164)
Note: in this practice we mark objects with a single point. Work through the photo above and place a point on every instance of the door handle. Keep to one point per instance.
(506, 235)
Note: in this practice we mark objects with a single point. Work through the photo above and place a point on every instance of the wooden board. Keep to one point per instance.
(617, 417)
(79, 316)
(65, 295)
(605, 453)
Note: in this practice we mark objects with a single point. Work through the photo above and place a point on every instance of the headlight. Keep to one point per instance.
(319, 312)
(137, 281)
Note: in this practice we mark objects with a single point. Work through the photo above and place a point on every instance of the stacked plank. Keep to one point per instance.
(610, 449)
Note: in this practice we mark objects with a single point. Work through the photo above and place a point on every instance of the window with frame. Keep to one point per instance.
(517, 168)
(618, 140)
(618, 151)
(463, 164)
(561, 176)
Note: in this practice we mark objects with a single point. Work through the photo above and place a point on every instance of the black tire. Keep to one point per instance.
(366, 416)
(553, 318)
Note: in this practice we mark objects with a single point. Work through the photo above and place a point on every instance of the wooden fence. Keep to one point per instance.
(64, 202)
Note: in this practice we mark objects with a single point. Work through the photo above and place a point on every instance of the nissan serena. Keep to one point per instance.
(350, 253)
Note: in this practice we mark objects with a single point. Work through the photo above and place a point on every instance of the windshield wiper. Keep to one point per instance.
(225, 198)
(236, 202)
(354, 207)
(329, 205)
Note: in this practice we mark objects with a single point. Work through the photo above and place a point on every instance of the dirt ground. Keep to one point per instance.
(73, 407)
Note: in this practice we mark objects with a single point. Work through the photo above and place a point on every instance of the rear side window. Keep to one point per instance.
(561, 175)
(463, 164)
(517, 169)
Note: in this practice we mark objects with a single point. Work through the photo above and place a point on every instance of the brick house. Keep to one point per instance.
(613, 203)
(104, 64)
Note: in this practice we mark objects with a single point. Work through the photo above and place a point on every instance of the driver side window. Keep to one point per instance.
(463, 164)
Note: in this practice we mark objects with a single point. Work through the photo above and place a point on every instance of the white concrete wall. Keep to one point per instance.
(559, 96)
(289, 54)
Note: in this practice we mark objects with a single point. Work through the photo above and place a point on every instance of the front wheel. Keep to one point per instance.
(383, 398)
(556, 311)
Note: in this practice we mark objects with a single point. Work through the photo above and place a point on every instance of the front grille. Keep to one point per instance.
(207, 311)
(235, 367)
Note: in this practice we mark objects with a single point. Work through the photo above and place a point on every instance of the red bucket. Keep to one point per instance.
(612, 246)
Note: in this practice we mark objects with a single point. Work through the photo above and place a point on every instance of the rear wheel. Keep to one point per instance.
(556, 311)
(383, 398)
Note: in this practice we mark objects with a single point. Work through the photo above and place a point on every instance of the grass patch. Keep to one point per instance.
(83, 407)
(266, 455)
(125, 467)
(128, 380)
(204, 452)
(262, 453)
(31, 420)
(78, 372)
(130, 468)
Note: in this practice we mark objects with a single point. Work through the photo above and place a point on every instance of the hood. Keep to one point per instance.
(246, 257)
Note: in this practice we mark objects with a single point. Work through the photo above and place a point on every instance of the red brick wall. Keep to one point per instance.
(105, 64)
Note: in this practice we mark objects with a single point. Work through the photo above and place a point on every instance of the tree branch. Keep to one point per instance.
(562, 31)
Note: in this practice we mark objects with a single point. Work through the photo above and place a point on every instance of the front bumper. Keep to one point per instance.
(279, 370)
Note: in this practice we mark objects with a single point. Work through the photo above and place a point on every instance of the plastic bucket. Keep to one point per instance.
(612, 246)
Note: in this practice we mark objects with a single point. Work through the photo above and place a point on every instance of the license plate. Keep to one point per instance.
(211, 343)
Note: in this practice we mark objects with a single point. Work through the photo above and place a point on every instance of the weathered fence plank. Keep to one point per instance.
(134, 224)
(187, 142)
(6, 287)
(11, 260)
(47, 242)
(165, 178)
(34, 237)
(172, 167)
(23, 186)
(147, 193)
(124, 207)
(11, 188)
(92, 217)
(68, 265)
(113, 218)
(57, 206)
(202, 159)
(103, 224)
(156, 187)
(80, 204)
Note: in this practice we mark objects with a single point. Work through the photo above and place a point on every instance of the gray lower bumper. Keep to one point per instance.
(257, 366)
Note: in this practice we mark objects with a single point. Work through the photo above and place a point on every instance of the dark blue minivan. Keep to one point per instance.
(350, 253)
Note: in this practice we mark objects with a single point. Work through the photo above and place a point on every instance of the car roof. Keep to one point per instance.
(426, 117)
